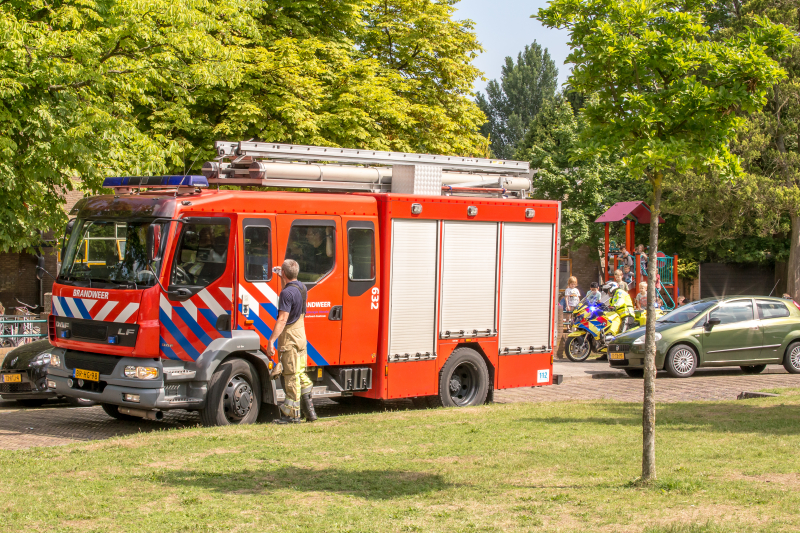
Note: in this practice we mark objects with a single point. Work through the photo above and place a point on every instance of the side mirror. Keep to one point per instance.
(712, 322)
(40, 267)
(67, 233)
(153, 243)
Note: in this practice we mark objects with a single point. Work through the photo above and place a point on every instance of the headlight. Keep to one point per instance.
(141, 372)
(640, 340)
(55, 360)
(41, 359)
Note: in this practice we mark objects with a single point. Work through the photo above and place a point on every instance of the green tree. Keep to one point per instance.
(665, 95)
(511, 103)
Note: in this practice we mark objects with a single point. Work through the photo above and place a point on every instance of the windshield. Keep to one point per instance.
(108, 251)
(687, 312)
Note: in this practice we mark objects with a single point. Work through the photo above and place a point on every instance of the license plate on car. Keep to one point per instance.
(12, 378)
(616, 355)
(88, 375)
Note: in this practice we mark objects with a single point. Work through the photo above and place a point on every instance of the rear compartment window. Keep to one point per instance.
(361, 248)
(257, 253)
(202, 253)
(769, 309)
(314, 249)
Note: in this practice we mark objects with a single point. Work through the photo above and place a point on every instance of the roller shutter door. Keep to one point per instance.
(469, 279)
(412, 311)
(526, 285)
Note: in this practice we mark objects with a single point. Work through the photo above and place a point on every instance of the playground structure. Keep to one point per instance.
(633, 213)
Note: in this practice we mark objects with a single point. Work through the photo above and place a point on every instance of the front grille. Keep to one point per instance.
(11, 388)
(89, 331)
(105, 364)
(619, 347)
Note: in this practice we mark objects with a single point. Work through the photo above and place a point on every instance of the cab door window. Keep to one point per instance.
(257, 253)
(202, 253)
(732, 312)
(313, 246)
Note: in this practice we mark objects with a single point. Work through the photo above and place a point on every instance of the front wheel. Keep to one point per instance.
(753, 369)
(463, 380)
(681, 361)
(578, 348)
(234, 395)
(791, 361)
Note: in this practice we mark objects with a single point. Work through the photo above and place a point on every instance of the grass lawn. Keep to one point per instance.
(566, 466)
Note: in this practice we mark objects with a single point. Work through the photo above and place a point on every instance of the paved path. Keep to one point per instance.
(58, 424)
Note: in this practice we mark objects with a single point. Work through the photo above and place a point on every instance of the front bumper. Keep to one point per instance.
(26, 388)
(634, 357)
(177, 393)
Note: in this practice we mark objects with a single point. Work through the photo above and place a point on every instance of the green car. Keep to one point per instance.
(746, 331)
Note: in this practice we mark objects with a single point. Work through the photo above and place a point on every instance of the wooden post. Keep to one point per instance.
(607, 249)
(675, 279)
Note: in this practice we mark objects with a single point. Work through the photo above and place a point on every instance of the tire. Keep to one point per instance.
(753, 369)
(81, 402)
(31, 403)
(578, 349)
(463, 380)
(634, 372)
(113, 412)
(791, 359)
(681, 361)
(234, 395)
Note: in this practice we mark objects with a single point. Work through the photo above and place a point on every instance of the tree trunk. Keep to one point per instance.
(649, 402)
(793, 268)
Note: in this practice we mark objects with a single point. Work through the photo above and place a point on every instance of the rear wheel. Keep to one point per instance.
(578, 348)
(681, 361)
(234, 395)
(31, 403)
(791, 361)
(463, 380)
(113, 412)
(634, 372)
(753, 369)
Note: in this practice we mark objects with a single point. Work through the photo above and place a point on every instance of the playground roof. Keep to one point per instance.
(639, 211)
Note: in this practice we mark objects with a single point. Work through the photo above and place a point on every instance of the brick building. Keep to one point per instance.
(18, 270)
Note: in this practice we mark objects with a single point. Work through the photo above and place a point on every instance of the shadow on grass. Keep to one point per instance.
(740, 417)
(368, 484)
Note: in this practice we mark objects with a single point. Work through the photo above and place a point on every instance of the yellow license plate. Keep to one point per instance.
(88, 375)
(616, 355)
(12, 378)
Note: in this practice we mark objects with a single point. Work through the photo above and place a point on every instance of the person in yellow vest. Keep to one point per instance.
(622, 304)
(290, 332)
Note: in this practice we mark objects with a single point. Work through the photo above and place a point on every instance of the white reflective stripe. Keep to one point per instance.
(191, 308)
(73, 307)
(248, 299)
(127, 312)
(57, 306)
(211, 302)
(165, 306)
(267, 291)
(228, 292)
(88, 304)
(105, 310)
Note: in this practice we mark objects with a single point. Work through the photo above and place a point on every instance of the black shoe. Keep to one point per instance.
(307, 407)
(287, 420)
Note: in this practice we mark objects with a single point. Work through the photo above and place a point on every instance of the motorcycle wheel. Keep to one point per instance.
(578, 348)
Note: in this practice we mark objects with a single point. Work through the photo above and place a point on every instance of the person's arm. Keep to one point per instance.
(283, 317)
(329, 241)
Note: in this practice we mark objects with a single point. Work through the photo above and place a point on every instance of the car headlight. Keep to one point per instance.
(640, 340)
(55, 360)
(41, 359)
(141, 372)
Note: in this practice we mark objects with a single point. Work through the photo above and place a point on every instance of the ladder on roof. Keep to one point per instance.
(349, 169)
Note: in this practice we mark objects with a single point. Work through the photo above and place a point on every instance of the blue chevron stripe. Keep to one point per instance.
(209, 315)
(166, 350)
(177, 335)
(265, 330)
(82, 309)
(192, 323)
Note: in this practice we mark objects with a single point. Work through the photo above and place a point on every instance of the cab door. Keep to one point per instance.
(316, 243)
(257, 295)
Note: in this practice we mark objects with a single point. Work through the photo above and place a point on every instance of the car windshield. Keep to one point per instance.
(108, 251)
(687, 312)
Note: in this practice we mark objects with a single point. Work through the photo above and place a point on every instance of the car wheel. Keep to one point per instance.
(753, 369)
(635, 372)
(113, 412)
(791, 360)
(463, 380)
(578, 348)
(31, 403)
(80, 402)
(234, 395)
(681, 361)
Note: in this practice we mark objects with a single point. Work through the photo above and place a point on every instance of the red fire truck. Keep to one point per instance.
(429, 277)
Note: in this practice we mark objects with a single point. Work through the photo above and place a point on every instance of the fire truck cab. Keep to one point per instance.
(426, 278)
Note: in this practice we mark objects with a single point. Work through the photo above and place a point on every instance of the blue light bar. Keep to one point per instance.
(156, 182)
